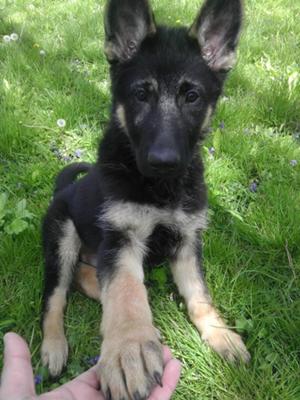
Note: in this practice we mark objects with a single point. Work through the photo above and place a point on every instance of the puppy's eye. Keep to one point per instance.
(191, 96)
(141, 94)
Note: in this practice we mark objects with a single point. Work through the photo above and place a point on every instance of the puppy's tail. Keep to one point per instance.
(69, 174)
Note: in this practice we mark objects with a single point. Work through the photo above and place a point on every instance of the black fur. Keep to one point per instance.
(69, 174)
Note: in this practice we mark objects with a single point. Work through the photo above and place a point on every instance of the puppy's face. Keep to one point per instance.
(166, 82)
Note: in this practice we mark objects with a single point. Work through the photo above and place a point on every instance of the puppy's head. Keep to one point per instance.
(166, 81)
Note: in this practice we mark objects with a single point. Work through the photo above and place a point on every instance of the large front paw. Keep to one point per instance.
(131, 363)
(227, 343)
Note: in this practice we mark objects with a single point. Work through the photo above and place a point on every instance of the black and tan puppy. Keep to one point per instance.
(144, 201)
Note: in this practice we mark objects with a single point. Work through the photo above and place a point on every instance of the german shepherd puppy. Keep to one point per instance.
(144, 201)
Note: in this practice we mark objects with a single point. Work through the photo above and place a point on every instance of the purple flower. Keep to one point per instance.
(78, 153)
(296, 135)
(253, 187)
(293, 163)
(57, 153)
(212, 150)
(38, 379)
(222, 125)
(92, 360)
(66, 158)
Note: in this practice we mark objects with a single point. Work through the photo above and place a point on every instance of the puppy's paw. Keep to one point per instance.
(227, 343)
(131, 364)
(54, 353)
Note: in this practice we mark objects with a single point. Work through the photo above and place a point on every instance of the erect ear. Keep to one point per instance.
(127, 24)
(217, 29)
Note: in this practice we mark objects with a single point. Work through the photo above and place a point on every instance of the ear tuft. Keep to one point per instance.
(127, 24)
(217, 29)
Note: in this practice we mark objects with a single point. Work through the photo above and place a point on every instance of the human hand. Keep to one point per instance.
(17, 382)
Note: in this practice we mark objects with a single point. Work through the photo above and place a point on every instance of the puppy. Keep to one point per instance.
(145, 200)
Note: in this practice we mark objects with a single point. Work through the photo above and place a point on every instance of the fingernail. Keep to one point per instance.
(6, 337)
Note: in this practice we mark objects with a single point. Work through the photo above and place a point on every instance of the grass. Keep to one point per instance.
(252, 256)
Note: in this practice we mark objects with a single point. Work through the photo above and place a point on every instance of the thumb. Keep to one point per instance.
(17, 376)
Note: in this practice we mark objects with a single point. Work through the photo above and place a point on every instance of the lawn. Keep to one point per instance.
(55, 69)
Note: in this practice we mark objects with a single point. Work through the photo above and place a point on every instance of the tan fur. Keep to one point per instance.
(130, 340)
(122, 117)
(142, 219)
(125, 299)
(207, 118)
(68, 251)
(86, 281)
(212, 328)
(55, 348)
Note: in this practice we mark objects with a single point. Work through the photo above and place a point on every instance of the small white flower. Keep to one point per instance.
(294, 163)
(42, 53)
(6, 38)
(224, 99)
(61, 123)
(14, 37)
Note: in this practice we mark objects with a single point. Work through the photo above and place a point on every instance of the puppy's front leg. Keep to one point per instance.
(131, 360)
(186, 268)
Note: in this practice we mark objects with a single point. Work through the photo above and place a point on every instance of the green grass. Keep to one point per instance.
(251, 251)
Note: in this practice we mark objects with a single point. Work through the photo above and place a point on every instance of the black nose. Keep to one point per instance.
(164, 159)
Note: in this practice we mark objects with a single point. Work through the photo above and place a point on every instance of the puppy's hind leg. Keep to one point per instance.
(61, 248)
(86, 281)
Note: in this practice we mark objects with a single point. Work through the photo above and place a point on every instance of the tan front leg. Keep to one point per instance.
(131, 360)
(188, 277)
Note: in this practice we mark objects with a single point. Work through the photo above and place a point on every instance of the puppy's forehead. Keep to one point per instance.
(169, 58)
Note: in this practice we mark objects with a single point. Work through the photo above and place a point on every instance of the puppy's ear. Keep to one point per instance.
(127, 24)
(217, 30)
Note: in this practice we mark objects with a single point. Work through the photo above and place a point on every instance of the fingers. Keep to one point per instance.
(167, 354)
(17, 376)
(85, 386)
(88, 378)
(170, 378)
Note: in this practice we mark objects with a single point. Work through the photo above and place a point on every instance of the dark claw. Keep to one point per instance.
(157, 378)
(108, 395)
(137, 396)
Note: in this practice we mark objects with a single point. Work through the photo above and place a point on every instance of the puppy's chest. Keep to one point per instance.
(162, 244)
(152, 225)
